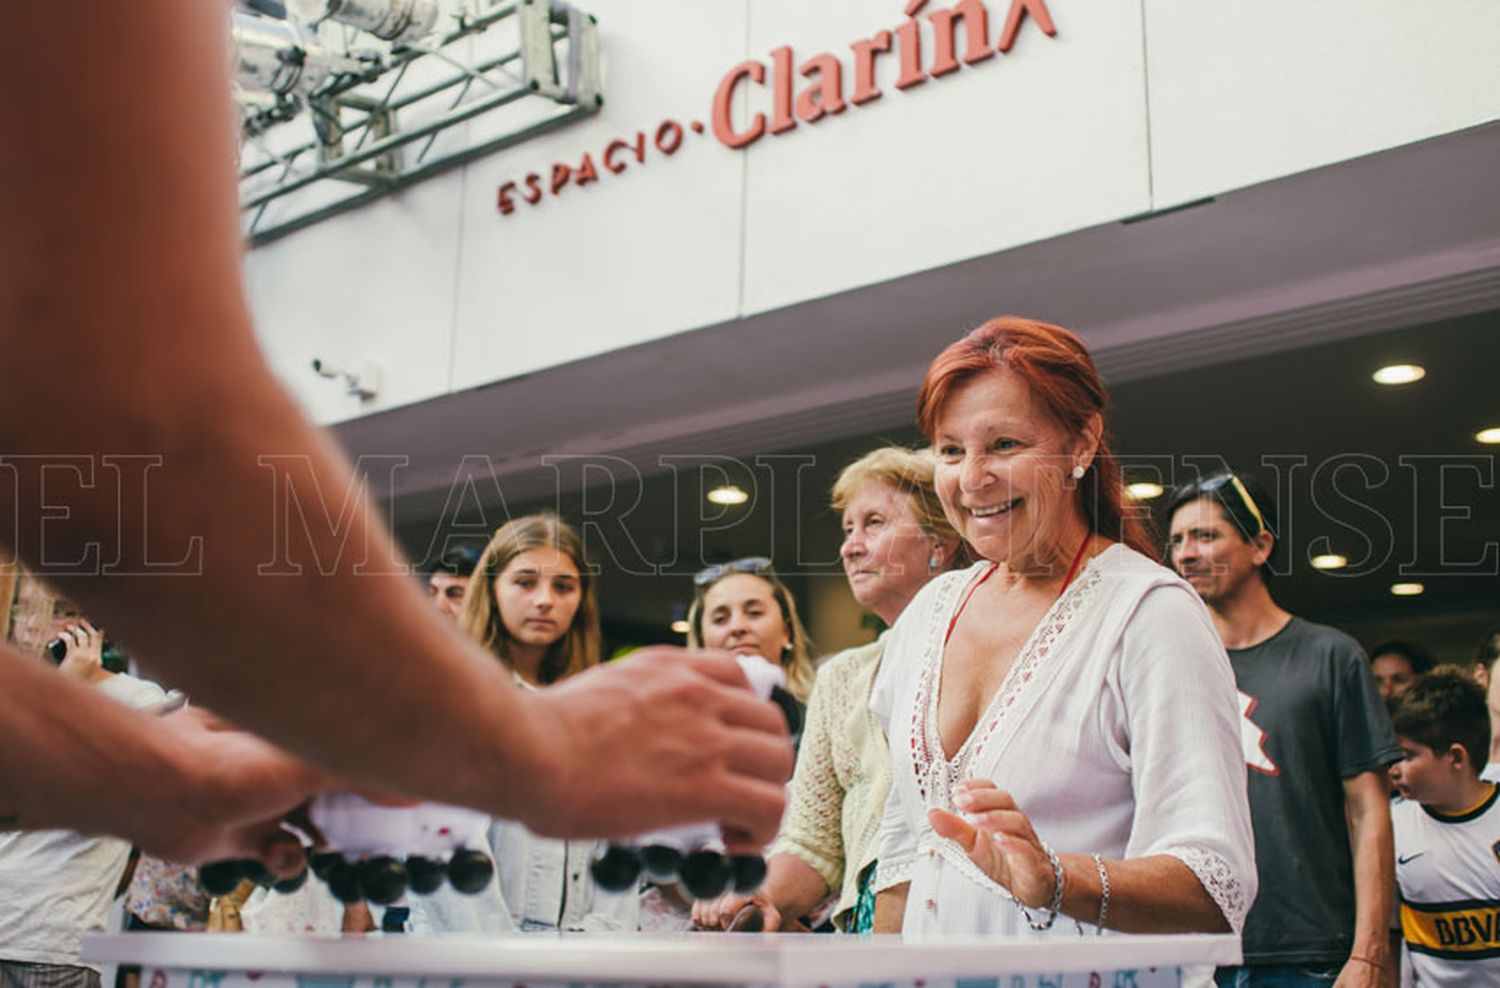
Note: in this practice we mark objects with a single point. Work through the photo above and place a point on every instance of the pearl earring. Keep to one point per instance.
(932, 562)
(1078, 472)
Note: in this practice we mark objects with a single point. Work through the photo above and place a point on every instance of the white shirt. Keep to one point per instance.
(55, 885)
(539, 884)
(1116, 730)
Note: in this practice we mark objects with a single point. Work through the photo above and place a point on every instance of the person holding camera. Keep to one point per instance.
(58, 883)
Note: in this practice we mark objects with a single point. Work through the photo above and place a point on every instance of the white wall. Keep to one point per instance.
(1131, 107)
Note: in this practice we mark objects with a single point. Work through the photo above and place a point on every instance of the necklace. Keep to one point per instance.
(1072, 572)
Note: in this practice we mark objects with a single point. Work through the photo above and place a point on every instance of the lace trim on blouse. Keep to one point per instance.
(1218, 880)
(935, 774)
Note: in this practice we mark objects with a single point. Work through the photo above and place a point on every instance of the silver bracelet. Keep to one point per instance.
(1057, 894)
(1103, 895)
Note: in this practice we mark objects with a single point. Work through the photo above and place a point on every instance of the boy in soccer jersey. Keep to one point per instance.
(1447, 832)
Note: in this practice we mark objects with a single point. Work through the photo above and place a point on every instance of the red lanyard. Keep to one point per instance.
(1072, 572)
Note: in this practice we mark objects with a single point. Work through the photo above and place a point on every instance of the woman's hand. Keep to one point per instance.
(718, 914)
(85, 655)
(998, 838)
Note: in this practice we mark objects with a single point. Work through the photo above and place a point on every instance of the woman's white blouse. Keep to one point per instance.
(1116, 730)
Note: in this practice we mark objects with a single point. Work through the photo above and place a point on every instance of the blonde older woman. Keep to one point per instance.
(895, 540)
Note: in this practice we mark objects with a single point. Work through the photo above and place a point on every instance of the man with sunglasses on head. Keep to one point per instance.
(1317, 741)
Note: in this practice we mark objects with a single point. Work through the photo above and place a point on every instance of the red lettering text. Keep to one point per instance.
(826, 94)
(945, 30)
(781, 91)
(724, 97)
(864, 67)
(669, 137)
(586, 171)
(1018, 10)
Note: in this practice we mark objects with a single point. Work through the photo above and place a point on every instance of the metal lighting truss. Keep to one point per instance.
(334, 117)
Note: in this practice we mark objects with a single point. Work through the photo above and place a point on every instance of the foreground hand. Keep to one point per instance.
(663, 737)
(999, 840)
(229, 797)
(717, 914)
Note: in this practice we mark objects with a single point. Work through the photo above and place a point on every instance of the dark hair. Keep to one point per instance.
(1062, 379)
(1243, 499)
(459, 560)
(1416, 656)
(1443, 708)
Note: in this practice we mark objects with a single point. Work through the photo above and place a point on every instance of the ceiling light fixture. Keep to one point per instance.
(1329, 560)
(1407, 589)
(727, 494)
(1394, 374)
(1144, 491)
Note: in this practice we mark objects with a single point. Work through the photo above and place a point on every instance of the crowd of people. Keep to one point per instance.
(1069, 728)
(1064, 731)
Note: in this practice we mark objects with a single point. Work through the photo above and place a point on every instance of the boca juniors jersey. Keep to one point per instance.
(1448, 870)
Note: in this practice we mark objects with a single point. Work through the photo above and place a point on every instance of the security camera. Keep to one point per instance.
(324, 368)
(362, 383)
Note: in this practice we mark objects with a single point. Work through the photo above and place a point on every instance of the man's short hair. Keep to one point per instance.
(459, 561)
(1443, 708)
(1243, 499)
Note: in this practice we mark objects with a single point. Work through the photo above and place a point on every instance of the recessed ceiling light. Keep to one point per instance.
(728, 494)
(1489, 436)
(1407, 589)
(680, 626)
(1329, 560)
(1400, 374)
(1144, 491)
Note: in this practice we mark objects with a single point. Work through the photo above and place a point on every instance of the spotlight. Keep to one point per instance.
(1394, 374)
(397, 21)
(1144, 491)
(275, 56)
(1329, 560)
(727, 494)
(1407, 589)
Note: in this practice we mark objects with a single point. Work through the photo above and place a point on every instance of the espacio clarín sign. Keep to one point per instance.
(805, 93)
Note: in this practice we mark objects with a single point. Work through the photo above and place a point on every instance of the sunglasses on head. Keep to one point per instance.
(1228, 478)
(716, 572)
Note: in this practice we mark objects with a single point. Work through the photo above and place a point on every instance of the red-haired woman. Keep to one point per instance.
(1063, 722)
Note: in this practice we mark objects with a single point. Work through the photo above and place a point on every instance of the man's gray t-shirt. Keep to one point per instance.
(1315, 719)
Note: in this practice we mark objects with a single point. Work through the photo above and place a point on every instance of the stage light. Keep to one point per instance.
(1329, 560)
(728, 494)
(397, 21)
(1407, 589)
(680, 627)
(276, 56)
(1490, 436)
(1394, 374)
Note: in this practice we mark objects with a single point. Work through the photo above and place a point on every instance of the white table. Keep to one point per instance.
(236, 960)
